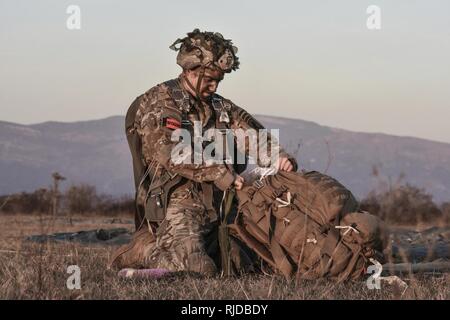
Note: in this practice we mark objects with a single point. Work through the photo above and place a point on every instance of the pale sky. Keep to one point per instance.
(311, 60)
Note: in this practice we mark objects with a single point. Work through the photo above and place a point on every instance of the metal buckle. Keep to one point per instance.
(171, 176)
(258, 184)
(223, 132)
(186, 123)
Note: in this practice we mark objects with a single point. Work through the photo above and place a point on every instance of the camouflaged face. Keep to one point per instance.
(206, 49)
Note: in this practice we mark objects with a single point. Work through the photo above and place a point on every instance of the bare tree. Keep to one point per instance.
(55, 192)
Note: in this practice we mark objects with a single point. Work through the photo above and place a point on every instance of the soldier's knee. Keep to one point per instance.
(200, 262)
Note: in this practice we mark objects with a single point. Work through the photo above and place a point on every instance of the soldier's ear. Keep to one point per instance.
(188, 72)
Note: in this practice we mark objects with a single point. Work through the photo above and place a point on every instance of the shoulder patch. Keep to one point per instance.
(170, 123)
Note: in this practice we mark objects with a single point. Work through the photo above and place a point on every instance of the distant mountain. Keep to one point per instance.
(96, 152)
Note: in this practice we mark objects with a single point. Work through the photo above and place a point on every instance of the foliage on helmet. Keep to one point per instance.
(207, 49)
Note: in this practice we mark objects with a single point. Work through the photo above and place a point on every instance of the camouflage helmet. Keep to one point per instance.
(207, 49)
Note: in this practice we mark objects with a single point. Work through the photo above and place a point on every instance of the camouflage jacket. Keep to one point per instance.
(161, 110)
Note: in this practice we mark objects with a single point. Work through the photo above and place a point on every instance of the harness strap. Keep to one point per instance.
(327, 251)
(224, 235)
(281, 259)
(208, 197)
(199, 83)
(352, 264)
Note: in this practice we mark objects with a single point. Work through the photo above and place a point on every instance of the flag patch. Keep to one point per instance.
(171, 123)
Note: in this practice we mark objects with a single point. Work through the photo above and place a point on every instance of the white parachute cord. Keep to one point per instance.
(283, 202)
(349, 228)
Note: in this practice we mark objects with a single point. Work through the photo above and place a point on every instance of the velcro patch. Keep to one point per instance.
(171, 123)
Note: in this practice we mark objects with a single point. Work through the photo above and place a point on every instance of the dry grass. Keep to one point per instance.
(35, 271)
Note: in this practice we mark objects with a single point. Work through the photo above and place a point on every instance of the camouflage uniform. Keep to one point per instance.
(186, 238)
(180, 243)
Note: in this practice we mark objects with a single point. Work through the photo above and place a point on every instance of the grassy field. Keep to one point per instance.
(39, 271)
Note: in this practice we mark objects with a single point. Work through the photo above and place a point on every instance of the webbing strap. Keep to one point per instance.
(351, 265)
(207, 192)
(327, 251)
(280, 258)
(291, 231)
(330, 246)
(251, 242)
(224, 238)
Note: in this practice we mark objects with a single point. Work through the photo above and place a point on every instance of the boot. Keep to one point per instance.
(132, 255)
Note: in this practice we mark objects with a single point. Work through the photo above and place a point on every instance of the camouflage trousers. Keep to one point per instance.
(187, 239)
(185, 236)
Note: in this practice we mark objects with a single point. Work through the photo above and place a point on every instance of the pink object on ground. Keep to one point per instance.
(143, 273)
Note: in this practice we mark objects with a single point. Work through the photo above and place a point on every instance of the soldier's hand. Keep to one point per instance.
(238, 182)
(284, 164)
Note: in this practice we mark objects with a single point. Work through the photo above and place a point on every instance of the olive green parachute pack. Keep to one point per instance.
(307, 224)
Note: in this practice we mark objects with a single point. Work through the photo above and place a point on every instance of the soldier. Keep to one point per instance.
(178, 203)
